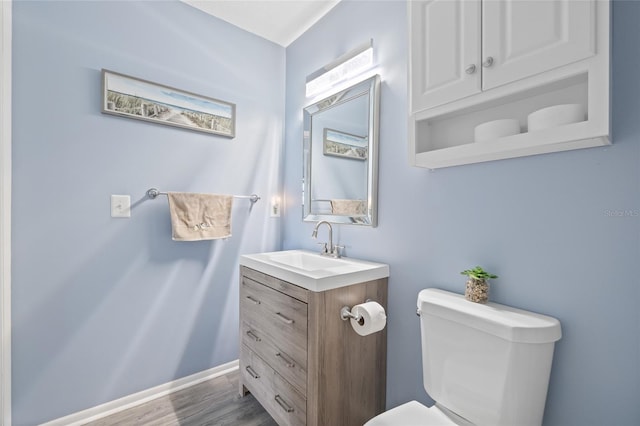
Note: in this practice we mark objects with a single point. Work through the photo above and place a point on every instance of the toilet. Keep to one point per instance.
(481, 364)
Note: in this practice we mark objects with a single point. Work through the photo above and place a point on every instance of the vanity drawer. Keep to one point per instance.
(291, 365)
(278, 397)
(282, 319)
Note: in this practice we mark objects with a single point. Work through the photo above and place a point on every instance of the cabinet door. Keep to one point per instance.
(526, 37)
(445, 51)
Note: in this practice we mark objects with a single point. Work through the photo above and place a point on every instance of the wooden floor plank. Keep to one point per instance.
(214, 402)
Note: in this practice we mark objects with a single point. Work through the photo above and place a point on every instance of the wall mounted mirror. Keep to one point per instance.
(340, 179)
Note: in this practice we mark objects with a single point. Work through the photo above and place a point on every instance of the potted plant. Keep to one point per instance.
(477, 288)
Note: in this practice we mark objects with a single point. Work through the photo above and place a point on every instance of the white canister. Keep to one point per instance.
(496, 129)
(556, 115)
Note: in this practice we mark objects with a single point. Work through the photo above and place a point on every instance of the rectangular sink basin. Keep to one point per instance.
(314, 271)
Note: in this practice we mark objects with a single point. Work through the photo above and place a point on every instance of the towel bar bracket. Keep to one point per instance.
(153, 193)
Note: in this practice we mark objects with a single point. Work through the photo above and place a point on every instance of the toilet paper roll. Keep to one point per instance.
(372, 318)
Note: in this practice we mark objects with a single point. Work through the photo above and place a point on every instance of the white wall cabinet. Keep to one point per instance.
(445, 36)
(473, 61)
(523, 38)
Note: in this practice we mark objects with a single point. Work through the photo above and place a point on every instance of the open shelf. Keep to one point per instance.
(444, 136)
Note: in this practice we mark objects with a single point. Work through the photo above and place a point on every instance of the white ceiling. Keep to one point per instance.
(281, 21)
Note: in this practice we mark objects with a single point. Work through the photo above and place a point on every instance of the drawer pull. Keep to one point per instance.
(289, 363)
(252, 372)
(253, 336)
(251, 299)
(283, 318)
(283, 404)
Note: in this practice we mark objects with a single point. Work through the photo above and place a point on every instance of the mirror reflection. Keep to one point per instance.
(340, 156)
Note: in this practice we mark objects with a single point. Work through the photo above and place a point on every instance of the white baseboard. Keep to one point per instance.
(129, 401)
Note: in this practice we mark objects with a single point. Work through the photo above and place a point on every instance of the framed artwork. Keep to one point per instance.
(341, 144)
(132, 97)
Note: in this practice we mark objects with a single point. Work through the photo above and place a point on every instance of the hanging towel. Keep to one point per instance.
(348, 207)
(196, 217)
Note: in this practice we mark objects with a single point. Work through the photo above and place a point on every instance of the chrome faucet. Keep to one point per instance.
(328, 249)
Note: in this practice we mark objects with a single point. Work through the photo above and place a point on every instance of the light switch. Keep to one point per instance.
(275, 206)
(120, 206)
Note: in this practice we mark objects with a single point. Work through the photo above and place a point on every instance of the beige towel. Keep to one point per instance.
(196, 217)
(348, 207)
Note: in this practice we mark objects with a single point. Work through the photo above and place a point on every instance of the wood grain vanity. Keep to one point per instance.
(301, 361)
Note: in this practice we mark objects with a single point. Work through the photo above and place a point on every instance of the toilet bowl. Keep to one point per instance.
(483, 364)
(415, 414)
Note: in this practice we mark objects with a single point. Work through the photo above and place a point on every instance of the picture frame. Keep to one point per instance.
(340, 144)
(132, 97)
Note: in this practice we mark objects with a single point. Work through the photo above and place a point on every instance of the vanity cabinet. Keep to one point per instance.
(301, 361)
(470, 56)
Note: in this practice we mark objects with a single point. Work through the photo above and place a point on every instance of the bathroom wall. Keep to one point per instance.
(104, 307)
(561, 230)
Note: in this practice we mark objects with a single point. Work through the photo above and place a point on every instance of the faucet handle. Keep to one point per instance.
(336, 250)
(323, 249)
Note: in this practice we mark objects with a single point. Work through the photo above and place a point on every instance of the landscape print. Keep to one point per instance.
(131, 97)
(341, 144)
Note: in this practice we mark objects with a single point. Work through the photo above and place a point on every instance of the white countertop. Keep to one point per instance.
(313, 271)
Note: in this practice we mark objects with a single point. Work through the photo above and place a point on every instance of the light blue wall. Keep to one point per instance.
(105, 307)
(546, 224)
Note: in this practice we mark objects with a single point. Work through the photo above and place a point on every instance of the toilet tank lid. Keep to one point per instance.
(512, 324)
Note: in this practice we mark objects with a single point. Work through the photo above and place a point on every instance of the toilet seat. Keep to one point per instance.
(412, 414)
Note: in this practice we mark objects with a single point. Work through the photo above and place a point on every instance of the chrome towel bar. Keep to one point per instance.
(153, 193)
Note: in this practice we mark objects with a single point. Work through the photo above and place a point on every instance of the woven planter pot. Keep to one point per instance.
(477, 291)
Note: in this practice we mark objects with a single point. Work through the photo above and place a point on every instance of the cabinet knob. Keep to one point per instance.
(488, 62)
(470, 69)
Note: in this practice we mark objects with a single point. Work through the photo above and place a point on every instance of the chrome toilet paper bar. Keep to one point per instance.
(346, 314)
(365, 318)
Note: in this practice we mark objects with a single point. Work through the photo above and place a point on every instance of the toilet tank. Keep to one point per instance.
(489, 364)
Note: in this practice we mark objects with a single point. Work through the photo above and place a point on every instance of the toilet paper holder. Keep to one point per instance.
(346, 314)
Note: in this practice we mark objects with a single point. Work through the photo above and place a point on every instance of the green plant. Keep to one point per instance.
(478, 273)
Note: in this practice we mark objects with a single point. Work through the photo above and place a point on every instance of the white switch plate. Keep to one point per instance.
(120, 206)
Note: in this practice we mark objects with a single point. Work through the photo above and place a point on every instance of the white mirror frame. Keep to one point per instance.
(370, 86)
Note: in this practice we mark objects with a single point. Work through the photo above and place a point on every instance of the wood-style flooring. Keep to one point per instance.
(214, 402)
